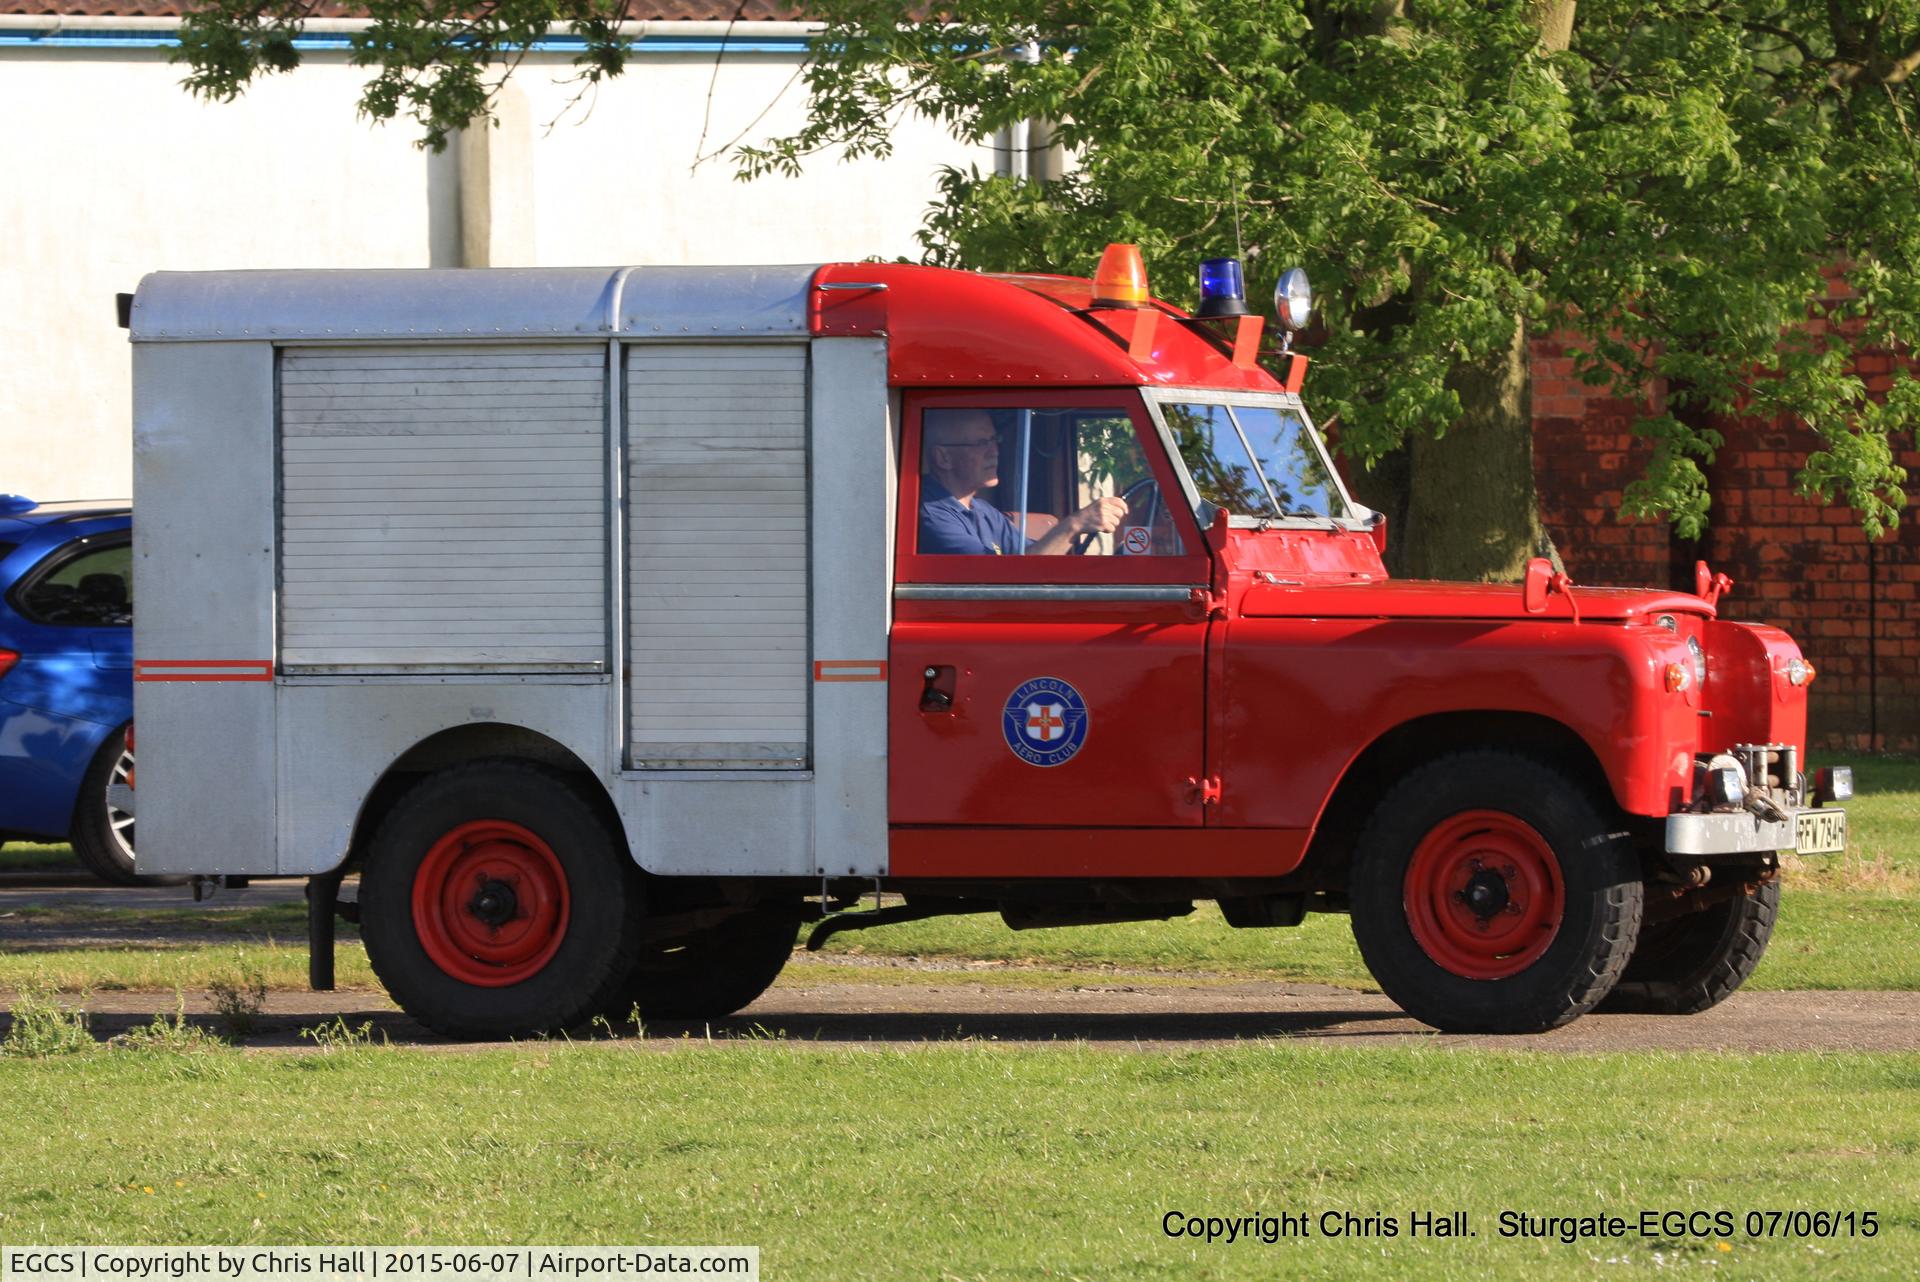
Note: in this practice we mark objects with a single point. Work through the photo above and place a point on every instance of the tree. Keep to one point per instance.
(1668, 181)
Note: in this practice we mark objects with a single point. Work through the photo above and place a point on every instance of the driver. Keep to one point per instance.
(960, 456)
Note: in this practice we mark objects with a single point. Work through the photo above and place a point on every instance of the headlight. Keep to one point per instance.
(1799, 671)
(1293, 300)
(1668, 622)
(1699, 660)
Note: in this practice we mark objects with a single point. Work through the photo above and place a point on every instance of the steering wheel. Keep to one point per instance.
(1140, 494)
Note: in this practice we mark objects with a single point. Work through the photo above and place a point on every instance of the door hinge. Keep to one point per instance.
(1204, 792)
(1210, 604)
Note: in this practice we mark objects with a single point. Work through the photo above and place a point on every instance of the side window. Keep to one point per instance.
(93, 589)
(1047, 481)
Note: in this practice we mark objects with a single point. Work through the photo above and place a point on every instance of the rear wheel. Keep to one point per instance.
(497, 902)
(1492, 893)
(102, 833)
(716, 972)
(1686, 964)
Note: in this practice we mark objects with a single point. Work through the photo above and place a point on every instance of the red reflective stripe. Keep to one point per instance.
(850, 670)
(203, 669)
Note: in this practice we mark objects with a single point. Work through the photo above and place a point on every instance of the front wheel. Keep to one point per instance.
(1493, 894)
(497, 902)
(1686, 964)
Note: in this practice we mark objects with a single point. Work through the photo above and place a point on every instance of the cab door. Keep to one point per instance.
(1047, 675)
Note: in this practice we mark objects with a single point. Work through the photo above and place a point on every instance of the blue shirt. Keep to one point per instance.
(977, 529)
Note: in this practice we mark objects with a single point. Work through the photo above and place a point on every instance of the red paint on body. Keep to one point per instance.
(1224, 716)
(948, 328)
(1092, 852)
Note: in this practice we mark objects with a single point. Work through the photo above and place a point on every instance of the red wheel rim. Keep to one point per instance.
(490, 903)
(1483, 895)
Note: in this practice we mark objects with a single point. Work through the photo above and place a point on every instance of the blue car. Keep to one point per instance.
(66, 678)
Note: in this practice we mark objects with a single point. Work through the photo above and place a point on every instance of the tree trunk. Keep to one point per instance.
(1472, 512)
(1472, 509)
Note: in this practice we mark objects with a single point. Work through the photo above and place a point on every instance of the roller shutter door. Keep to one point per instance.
(717, 593)
(443, 508)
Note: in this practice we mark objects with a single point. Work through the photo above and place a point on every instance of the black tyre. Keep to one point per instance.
(1683, 965)
(496, 901)
(1492, 893)
(717, 972)
(102, 833)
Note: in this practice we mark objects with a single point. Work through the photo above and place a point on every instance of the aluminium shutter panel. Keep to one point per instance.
(717, 593)
(443, 507)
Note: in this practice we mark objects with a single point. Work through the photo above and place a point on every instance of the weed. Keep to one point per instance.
(239, 996)
(338, 1035)
(173, 1035)
(42, 1026)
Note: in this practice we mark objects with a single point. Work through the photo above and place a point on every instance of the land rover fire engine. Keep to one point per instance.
(615, 624)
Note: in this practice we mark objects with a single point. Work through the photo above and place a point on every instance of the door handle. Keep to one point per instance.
(937, 689)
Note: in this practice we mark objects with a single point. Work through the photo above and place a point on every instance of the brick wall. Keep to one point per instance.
(1796, 564)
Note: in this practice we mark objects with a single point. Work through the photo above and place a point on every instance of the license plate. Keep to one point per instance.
(1820, 832)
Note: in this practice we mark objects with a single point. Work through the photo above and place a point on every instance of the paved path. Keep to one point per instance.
(1104, 1014)
(59, 887)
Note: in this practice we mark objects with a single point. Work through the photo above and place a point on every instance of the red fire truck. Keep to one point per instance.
(615, 625)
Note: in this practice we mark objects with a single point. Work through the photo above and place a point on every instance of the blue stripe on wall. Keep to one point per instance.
(341, 41)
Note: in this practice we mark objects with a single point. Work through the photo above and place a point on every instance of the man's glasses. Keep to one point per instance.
(993, 440)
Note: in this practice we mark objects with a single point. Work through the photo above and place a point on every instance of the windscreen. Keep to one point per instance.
(1290, 460)
(1259, 461)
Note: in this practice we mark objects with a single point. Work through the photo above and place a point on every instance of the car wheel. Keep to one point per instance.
(1686, 964)
(717, 972)
(1491, 893)
(102, 835)
(497, 901)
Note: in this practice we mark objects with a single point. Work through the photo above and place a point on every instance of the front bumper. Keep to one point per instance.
(1740, 833)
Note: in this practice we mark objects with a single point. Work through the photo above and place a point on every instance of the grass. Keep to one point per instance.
(974, 1161)
(160, 968)
(970, 1162)
(25, 856)
(1883, 830)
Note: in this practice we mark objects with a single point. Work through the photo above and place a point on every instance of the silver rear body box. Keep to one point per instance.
(632, 516)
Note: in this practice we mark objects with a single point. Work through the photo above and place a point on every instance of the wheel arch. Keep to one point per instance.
(101, 747)
(1411, 744)
(477, 741)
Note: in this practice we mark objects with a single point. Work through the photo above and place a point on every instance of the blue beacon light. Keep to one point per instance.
(1223, 291)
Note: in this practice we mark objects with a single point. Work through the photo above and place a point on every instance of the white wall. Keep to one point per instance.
(621, 187)
(111, 170)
